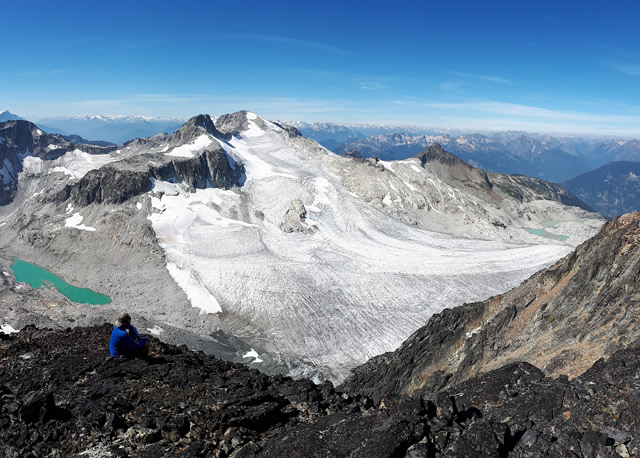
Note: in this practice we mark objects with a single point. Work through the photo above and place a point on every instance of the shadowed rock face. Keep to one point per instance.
(63, 396)
(19, 139)
(194, 127)
(562, 319)
(116, 184)
(130, 176)
(107, 185)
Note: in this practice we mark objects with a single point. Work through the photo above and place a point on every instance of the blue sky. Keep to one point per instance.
(535, 66)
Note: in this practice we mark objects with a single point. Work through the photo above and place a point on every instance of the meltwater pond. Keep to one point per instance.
(36, 276)
(544, 233)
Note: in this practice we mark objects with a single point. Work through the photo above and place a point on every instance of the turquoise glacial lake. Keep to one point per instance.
(549, 235)
(37, 277)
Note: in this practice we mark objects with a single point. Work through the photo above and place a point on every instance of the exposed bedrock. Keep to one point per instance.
(63, 396)
(108, 185)
(213, 168)
(20, 139)
(114, 184)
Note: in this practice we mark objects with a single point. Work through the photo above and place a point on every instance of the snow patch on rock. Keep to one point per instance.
(75, 221)
(8, 329)
(192, 149)
(253, 354)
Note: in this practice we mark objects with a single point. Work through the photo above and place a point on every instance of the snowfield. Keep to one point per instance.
(329, 298)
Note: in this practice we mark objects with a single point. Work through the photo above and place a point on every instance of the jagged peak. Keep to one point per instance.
(436, 152)
(204, 122)
(194, 128)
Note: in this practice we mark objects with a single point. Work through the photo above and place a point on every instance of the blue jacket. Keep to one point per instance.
(121, 343)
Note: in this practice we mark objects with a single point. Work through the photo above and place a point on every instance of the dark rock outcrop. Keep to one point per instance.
(108, 185)
(213, 168)
(61, 395)
(561, 320)
(129, 177)
(114, 184)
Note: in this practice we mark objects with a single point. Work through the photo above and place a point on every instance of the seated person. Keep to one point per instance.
(125, 340)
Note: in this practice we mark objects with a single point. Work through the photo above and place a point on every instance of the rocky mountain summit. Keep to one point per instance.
(562, 319)
(62, 395)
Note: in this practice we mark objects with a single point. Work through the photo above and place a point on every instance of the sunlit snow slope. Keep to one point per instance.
(352, 283)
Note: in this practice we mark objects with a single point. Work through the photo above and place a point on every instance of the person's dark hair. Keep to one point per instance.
(123, 319)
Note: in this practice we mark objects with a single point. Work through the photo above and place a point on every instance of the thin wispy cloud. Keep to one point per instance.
(452, 85)
(368, 84)
(291, 42)
(628, 69)
(496, 115)
(476, 76)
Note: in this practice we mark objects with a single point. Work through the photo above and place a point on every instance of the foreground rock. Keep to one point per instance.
(61, 395)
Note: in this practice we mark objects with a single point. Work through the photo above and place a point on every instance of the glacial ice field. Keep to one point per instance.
(351, 284)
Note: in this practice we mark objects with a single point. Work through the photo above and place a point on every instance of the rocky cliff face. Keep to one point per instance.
(561, 320)
(130, 176)
(21, 139)
(115, 184)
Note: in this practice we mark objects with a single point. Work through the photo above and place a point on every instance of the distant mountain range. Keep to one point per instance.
(543, 156)
(112, 129)
(612, 189)
(552, 158)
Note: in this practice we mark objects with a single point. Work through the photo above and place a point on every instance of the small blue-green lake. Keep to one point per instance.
(37, 277)
(549, 235)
